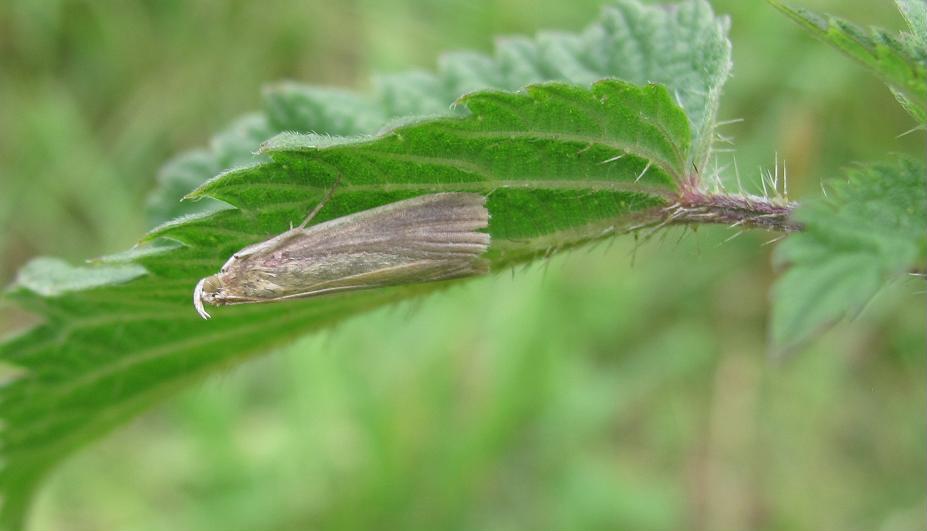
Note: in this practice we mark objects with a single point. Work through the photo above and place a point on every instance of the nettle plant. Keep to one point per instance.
(573, 138)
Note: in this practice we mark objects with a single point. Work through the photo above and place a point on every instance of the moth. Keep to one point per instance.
(426, 238)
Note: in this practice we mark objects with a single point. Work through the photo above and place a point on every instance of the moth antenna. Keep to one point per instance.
(198, 300)
(318, 207)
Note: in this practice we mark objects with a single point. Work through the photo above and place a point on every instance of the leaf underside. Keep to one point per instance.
(900, 61)
(871, 229)
(561, 163)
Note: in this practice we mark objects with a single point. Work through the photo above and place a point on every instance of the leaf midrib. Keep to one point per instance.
(551, 184)
(619, 146)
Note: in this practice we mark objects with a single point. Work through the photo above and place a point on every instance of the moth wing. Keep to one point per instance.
(442, 223)
(423, 271)
(429, 237)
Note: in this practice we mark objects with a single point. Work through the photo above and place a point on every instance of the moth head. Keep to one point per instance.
(209, 290)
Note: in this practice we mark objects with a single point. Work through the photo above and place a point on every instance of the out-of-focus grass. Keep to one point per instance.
(587, 395)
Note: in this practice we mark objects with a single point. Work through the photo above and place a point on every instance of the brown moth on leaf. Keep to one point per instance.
(426, 238)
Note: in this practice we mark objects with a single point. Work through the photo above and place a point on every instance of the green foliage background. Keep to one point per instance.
(592, 392)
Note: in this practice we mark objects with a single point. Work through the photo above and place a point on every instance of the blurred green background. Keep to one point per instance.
(593, 392)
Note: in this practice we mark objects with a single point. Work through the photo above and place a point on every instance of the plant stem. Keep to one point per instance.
(736, 210)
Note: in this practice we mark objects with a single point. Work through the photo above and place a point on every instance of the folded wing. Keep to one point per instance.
(426, 238)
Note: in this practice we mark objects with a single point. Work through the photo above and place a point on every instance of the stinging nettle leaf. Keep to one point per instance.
(235, 146)
(535, 154)
(682, 46)
(870, 230)
(51, 277)
(915, 14)
(899, 60)
(560, 164)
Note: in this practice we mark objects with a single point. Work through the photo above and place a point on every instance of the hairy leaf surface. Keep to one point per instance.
(899, 60)
(870, 230)
(560, 164)
(682, 46)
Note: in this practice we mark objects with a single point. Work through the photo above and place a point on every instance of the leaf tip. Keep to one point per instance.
(194, 195)
(51, 277)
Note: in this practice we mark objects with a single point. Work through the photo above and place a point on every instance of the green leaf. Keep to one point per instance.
(915, 14)
(233, 147)
(899, 60)
(51, 277)
(684, 47)
(560, 164)
(870, 230)
(121, 335)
